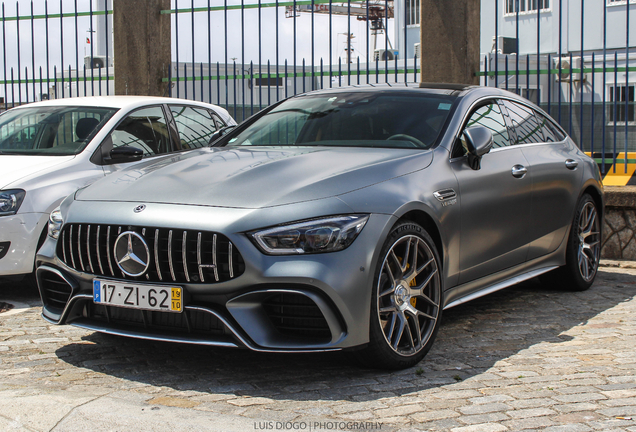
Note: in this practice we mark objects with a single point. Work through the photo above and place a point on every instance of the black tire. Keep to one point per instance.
(583, 250)
(411, 303)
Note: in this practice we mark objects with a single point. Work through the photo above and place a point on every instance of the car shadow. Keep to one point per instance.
(23, 291)
(472, 338)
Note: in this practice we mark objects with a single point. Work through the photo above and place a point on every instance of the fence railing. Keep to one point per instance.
(575, 58)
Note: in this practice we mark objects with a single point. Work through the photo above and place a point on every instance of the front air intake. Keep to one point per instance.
(55, 291)
(294, 314)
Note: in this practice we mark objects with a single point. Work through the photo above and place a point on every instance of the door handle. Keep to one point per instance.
(518, 171)
(571, 164)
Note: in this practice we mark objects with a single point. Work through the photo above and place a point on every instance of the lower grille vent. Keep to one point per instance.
(297, 315)
(192, 322)
(55, 291)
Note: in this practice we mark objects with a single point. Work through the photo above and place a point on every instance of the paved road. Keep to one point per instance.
(527, 358)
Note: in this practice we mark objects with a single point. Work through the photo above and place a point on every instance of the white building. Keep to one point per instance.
(562, 42)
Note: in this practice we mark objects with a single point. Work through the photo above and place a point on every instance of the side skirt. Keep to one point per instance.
(500, 285)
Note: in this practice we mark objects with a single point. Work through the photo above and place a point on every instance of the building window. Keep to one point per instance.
(268, 82)
(619, 2)
(412, 12)
(621, 113)
(526, 6)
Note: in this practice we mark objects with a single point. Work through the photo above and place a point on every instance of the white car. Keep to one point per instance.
(50, 149)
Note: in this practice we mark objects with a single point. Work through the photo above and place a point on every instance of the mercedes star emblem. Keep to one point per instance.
(131, 253)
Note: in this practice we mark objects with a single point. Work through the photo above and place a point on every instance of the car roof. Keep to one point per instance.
(451, 89)
(432, 88)
(117, 102)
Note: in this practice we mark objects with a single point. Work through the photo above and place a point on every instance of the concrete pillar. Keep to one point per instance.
(142, 46)
(449, 41)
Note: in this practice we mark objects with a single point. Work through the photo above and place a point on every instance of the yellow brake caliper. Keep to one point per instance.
(413, 300)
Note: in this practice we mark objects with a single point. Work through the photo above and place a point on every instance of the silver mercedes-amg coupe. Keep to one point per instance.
(337, 219)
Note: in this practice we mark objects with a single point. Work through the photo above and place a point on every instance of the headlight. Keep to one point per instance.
(55, 223)
(10, 201)
(314, 236)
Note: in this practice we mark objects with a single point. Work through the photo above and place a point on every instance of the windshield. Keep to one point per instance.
(54, 131)
(359, 119)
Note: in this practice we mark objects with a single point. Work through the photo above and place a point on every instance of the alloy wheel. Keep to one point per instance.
(589, 241)
(409, 295)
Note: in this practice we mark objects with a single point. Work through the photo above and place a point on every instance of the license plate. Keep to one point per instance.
(135, 296)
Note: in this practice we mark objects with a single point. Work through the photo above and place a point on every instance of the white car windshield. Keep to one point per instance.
(52, 130)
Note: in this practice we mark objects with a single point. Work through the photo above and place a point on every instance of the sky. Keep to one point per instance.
(67, 43)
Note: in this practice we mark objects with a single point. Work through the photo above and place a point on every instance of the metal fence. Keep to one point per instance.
(575, 58)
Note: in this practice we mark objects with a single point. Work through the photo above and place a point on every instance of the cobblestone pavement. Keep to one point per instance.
(526, 358)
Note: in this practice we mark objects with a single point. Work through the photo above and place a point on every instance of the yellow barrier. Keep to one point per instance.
(616, 174)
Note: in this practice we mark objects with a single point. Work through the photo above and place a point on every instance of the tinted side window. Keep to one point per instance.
(195, 125)
(550, 131)
(145, 129)
(525, 124)
(489, 116)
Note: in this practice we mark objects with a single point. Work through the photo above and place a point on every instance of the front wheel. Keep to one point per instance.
(406, 305)
(583, 250)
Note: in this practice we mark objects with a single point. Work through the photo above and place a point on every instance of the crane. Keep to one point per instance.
(375, 12)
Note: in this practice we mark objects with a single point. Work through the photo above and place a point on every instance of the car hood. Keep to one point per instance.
(255, 177)
(16, 167)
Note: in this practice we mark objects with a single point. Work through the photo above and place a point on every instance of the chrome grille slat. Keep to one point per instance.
(99, 255)
(64, 246)
(118, 233)
(110, 264)
(157, 254)
(88, 248)
(199, 258)
(79, 246)
(192, 257)
(70, 246)
(170, 256)
(184, 255)
(229, 260)
(216, 272)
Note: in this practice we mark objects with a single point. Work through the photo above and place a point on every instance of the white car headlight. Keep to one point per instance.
(55, 223)
(314, 236)
(10, 201)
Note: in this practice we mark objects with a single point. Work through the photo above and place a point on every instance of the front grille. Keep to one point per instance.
(55, 291)
(176, 255)
(190, 321)
(297, 315)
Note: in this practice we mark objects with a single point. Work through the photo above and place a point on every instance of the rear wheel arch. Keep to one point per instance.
(597, 197)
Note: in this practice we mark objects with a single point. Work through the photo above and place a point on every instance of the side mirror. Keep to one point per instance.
(219, 133)
(125, 154)
(479, 142)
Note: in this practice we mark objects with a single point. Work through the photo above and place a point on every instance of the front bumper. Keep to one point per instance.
(19, 234)
(279, 303)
